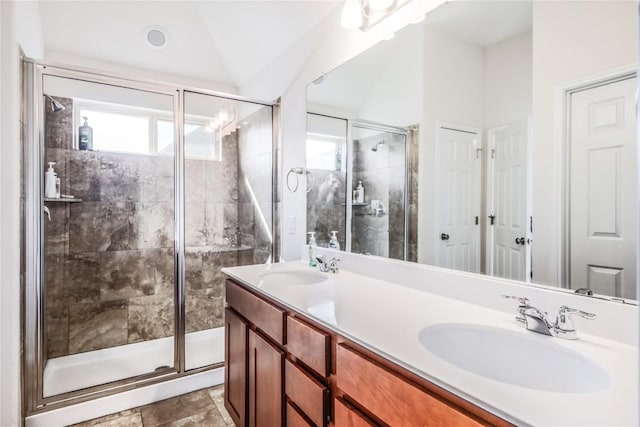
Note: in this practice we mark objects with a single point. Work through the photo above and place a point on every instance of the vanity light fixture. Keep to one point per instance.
(364, 14)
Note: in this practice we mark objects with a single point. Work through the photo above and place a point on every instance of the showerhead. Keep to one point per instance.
(55, 105)
(375, 147)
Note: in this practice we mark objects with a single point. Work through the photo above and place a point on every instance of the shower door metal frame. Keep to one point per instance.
(33, 224)
(349, 184)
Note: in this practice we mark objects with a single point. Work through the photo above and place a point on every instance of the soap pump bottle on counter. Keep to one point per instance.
(333, 243)
(51, 178)
(85, 136)
(312, 250)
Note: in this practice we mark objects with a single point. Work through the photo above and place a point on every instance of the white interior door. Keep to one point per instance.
(603, 185)
(459, 199)
(509, 202)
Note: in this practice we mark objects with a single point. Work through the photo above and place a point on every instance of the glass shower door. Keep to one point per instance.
(379, 164)
(108, 234)
(228, 209)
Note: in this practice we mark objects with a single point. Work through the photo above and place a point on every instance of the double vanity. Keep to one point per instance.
(381, 342)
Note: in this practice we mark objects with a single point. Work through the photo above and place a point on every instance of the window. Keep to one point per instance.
(126, 129)
(324, 152)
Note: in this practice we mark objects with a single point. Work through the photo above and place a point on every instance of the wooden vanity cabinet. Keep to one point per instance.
(285, 369)
(268, 382)
(235, 374)
(266, 365)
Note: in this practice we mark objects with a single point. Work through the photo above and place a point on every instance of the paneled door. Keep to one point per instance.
(509, 202)
(459, 162)
(604, 189)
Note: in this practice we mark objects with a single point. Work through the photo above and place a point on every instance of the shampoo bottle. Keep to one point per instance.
(50, 182)
(333, 243)
(360, 193)
(312, 250)
(85, 136)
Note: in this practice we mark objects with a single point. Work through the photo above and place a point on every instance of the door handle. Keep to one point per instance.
(520, 240)
(444, 236)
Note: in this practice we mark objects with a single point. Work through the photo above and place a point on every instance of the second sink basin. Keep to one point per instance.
(514, 358)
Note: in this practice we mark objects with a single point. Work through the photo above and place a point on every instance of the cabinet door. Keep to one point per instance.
(235, 384)
(266, 369)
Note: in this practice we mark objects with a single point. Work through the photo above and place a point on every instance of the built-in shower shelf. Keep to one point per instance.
(61, 199)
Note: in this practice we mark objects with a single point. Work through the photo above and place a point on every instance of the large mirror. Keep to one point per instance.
(522, 116)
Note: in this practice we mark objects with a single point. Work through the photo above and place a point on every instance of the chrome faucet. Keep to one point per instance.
(533, 319)
(330, 266)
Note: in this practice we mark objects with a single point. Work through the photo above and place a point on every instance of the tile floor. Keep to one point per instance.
(202, 408)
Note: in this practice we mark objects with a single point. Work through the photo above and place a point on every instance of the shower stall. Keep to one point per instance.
(343, 155)
(123, 252)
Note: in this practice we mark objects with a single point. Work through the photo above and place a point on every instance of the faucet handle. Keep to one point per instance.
(521, 300)
(564, 310)
(564, 327)
(524, 304)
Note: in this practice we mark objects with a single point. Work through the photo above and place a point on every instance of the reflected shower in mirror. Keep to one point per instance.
(527, 141)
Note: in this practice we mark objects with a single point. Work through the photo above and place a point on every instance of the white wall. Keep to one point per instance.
(453, 93)
(396, 96)
(16, 21)
(579, 39)
(508, 81)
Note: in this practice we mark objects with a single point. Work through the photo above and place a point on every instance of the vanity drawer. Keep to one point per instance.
(294, 419)
(309, 345)
(266, 317)
(311, 396)
(347, 416)
(390, 398)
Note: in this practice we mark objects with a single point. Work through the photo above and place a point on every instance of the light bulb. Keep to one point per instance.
(379, 4)
(351, 15)
(223, 115)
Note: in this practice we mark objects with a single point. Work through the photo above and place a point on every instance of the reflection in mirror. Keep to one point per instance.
(375, 162)
(527, 139)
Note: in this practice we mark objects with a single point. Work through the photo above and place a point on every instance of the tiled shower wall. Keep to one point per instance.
(382, 173)
(109, 273)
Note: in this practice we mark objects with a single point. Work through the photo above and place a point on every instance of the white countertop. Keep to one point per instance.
(387, 317)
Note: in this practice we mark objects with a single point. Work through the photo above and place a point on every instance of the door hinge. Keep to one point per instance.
(531, 224)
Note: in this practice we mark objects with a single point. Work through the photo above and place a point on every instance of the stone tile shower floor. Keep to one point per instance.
(202, 408)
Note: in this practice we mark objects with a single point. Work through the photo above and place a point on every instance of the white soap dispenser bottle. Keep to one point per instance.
(360, 193)
(334, 243)
(50, 182)
(312, 250)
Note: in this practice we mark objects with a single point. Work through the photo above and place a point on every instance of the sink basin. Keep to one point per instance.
(527, 360)
(293, 277)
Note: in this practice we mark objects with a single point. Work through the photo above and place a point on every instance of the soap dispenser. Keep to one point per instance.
(312, 250)
(360, 193)
(51, 178)
(85, 136)
(333, 243)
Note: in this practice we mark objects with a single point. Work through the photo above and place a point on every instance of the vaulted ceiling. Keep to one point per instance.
(225, 42)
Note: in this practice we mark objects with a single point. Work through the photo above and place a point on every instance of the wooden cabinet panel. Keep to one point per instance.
(235, 382)
(266, 317)
(294, 419)
(309, 345)
(392, 399)
(266, 394)
(311, 396)
(347, 416)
